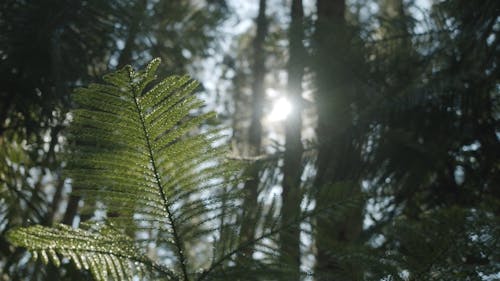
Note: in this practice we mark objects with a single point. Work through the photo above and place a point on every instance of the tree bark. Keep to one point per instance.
(338, 160)
(255, 133)
(134, 28)
(292, 166)
(71, 209)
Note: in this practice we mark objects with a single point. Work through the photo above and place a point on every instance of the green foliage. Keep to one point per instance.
(448, 244)
(136, 156)
(19, 198)
(407, 107)
(103, 250)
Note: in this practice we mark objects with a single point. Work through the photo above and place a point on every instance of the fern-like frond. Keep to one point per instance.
(133, 143)
(136, 154)
(101, 249)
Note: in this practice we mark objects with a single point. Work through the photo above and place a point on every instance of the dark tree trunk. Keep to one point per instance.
(71, 210)
(292, 166)
(255, 132)
(338, 159)
(133, 30)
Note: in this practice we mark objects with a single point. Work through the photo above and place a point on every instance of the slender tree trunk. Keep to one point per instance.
(50, 157)
(255, 132)
(337, 164)
(135, 22)
(71, 209)
(60, 88)
(292, 166)
(399, 47)
(56, 201)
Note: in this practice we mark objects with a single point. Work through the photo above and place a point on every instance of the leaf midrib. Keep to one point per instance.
(177, 239)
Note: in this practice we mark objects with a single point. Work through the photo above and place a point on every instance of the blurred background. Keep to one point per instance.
(389, 108)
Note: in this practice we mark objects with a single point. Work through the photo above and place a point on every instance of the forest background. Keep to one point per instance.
(369, 129)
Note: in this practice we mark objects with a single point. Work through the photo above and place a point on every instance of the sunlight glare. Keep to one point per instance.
(281, 109)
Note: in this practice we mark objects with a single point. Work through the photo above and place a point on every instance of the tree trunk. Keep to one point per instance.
(134, 28)
(71, 210)
(338, 161)
(292, 166)
(250, 203)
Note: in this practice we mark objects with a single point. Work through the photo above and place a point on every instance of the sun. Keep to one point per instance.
(281, 109)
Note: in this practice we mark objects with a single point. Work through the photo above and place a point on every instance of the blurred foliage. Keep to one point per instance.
(47, 49)
(403, 102)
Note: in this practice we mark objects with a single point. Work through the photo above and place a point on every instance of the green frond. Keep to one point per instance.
(133, 139)
(104, 251)
(135, 152)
